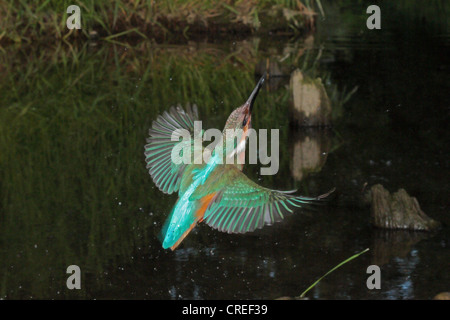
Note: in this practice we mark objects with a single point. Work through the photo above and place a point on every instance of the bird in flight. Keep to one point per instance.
(216, 192)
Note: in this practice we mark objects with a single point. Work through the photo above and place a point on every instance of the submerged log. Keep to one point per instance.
(398, 211)
(310, 104)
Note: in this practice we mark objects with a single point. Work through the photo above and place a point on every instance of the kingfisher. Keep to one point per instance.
(215, 192)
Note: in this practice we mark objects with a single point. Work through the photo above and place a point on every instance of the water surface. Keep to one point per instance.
(74, 188)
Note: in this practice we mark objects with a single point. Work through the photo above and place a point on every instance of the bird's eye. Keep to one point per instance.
(244, 123)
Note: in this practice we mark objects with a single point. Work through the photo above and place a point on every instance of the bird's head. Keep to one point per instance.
(239, 121)
(241, 117)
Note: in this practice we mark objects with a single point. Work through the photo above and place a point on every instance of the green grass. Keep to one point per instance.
(31, 21)
(302, 295)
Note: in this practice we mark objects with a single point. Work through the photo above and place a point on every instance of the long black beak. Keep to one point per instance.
(252, 98)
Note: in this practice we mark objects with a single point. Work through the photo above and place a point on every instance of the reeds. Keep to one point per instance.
(31, 21)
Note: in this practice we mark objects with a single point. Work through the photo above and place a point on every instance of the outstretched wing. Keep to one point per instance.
(243, 206)
(158, 151)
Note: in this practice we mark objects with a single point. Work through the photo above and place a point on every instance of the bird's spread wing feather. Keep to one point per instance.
(158, 150)
(243, 206)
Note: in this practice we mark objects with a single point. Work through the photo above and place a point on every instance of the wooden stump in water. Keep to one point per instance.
(442, 296)
(398, 211)
(310, 105)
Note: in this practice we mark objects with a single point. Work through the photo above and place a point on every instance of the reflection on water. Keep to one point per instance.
(389, 244)
(395, 248)
(310, 148)
(74, 189)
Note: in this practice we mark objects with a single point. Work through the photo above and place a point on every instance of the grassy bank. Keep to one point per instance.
(32, 21)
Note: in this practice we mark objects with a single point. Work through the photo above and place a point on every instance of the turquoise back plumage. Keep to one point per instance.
(185, 214)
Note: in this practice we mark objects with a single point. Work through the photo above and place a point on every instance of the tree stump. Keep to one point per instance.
(398, 211)
(442, 296)
(310, 104)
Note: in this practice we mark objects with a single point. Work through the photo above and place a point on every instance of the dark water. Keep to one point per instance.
(75, 190)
